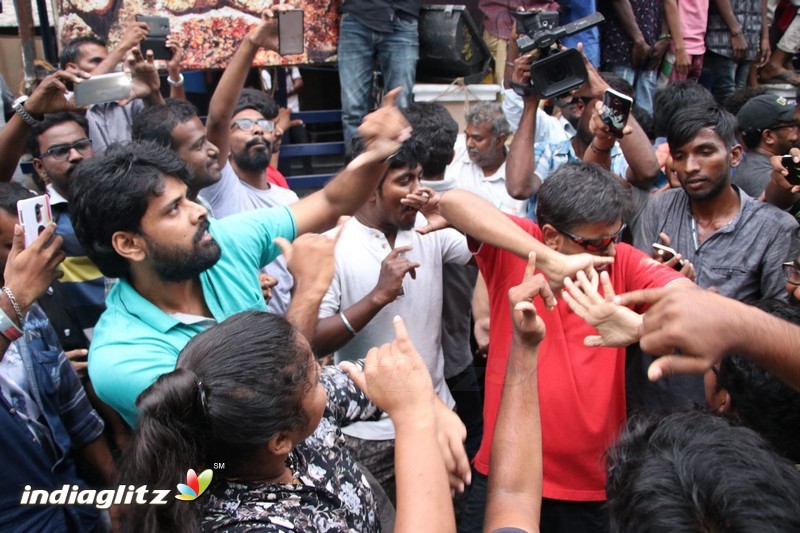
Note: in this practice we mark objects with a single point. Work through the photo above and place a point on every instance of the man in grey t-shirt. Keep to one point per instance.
(735, 242)
(768, 126)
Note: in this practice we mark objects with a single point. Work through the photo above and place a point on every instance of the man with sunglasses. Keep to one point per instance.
(582, 387)
(768, 125)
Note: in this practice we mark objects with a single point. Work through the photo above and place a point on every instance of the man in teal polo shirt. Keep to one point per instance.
(181, 271)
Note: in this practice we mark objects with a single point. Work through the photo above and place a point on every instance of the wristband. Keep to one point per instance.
(522, 89)
(9, 330)
(15, 305)
(347, 324)
(663, 36)
(178, 83)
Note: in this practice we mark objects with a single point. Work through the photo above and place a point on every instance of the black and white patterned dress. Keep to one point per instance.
(332, 494)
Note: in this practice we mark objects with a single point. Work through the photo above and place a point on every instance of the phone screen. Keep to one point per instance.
(616, 109)
(290, 32)
(793, 168)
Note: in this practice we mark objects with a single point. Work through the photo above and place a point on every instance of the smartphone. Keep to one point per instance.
(34, 216)
(666, 253)
(290, 32)
(616, 110)
(794, 169)
(156, 40)
(103, 88)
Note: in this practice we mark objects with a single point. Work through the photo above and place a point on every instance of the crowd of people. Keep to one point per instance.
(636, 299)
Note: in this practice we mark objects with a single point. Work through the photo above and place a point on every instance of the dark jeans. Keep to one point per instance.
(469, 406)
(558, 516)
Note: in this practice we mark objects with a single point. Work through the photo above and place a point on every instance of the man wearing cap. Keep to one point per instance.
(768, 124)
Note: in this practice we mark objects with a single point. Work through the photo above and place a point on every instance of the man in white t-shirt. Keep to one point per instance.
(480, 164)
(384, 269)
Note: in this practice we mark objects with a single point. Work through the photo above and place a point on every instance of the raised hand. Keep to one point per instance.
(394, 268)
(617, 325)
(569, 265)
(30, 271)
(145, 82)
(50, 95)
(529, 327)
(310, 259)
(426, 201)
(383, 130)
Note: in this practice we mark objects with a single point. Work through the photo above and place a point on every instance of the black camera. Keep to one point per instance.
(555, 72)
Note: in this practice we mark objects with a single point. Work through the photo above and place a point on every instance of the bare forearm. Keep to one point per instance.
(674, 23)
(331, 333)
(99, 457)
(492, 227)
(640, 155)
(521, 182)
(771, 342)
(304, 309)
(12, 146)
(624, 12)
(726, 12)
(780, 197)
(515, 485)
(423, 496)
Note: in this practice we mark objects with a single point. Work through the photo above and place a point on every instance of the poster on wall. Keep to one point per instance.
(210, 30)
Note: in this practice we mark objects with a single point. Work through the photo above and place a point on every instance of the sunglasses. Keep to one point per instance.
(792, 272)
(595, 245)
(60, 152)
(247, 124)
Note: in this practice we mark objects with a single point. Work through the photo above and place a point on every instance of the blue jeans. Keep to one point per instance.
(359, 46)
(643, 82)
(723, 76)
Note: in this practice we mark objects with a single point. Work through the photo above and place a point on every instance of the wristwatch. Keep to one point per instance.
(522, 89)
(22, 112)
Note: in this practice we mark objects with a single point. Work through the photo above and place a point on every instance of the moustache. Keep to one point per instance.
(258, 141)
(204, 225)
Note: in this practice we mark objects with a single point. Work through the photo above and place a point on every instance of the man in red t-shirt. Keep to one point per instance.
(582, 389)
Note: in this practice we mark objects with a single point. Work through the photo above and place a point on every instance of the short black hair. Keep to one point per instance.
(618, 83)
(695, 471)
(258, 100)
(738, 98)
(11, 193)
(50, 120)
(155, 123)
(111, 193)
(580, 193)
(435, 131)
(72, 49)
(687, 122)
(760, 400)
(674, 96)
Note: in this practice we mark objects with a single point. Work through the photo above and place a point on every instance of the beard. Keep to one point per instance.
(711, 193)
(256, 161)
(174, 265)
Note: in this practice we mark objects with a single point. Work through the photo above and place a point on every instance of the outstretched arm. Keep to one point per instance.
(382, 132)
(493, 227)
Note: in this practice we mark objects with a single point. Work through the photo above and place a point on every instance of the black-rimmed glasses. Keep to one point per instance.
(60, 152)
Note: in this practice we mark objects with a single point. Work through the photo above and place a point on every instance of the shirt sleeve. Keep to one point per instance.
(784, 247)
(83, 423)
(640, 271)
(251, 234)
(646, 230)
(454, 247)
(332, 300)
(346, 402)
(512, 107)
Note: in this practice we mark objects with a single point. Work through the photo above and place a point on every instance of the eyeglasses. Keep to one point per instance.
(247, 124)
(792, 272)
(598, 244)
(60, 152)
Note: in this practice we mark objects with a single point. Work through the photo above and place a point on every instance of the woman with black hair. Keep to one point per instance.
(248, 393)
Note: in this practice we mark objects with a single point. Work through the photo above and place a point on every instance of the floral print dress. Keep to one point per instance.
(329, 492)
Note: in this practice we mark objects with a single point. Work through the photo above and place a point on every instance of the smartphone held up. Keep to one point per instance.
(616, 110)
(290, 32)
(34, 216)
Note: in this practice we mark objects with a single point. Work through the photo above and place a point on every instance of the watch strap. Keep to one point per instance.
(522, 89)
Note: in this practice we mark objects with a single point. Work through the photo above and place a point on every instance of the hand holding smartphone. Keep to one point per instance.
(665, 253)
(290, 32)
(34, 216)
(103, 88)
(616, 110)
(156, 39)
(794, 169)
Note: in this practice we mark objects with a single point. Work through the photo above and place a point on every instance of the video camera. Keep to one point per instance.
(555, 72)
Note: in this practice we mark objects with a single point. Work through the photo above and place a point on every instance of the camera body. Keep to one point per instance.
(555, 72)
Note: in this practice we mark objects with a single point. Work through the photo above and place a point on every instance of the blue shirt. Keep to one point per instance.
(135, 341)
(72, 424)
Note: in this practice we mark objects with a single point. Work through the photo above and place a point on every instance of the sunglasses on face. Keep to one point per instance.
(60, 152)
(792, 272)
(247, 124)
(598, 244)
